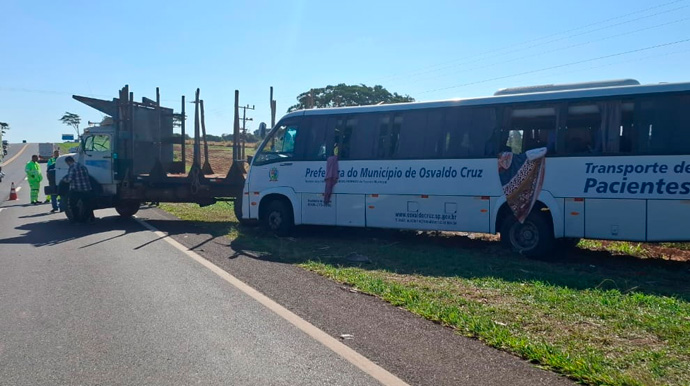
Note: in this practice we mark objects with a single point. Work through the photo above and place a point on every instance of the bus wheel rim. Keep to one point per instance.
(525, 236)
(274, 220)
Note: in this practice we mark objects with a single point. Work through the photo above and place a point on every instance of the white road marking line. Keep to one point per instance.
(352, 356)
(17, 189)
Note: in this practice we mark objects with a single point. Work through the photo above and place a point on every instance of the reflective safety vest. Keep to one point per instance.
(33, 172)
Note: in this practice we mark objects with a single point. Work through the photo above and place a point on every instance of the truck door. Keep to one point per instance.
(98, 157)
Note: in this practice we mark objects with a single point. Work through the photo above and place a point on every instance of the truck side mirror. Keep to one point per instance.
(262, 130)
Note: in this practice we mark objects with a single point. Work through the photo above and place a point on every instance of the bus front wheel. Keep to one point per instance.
(278, 218)
(533, 238)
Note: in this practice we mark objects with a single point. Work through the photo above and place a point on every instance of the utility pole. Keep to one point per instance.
(244, 128)
(273, 109)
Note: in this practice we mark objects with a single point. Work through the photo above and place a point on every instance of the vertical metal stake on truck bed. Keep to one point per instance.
(206, 169)
(184, 138)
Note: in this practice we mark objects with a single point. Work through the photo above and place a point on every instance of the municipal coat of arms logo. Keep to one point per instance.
(273, 174)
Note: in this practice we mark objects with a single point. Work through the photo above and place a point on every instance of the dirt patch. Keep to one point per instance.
(219, 155)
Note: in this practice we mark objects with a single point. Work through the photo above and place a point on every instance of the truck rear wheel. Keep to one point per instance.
(127, 209)
(533, 238)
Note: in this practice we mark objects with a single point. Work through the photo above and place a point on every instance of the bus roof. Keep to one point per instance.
(545, 96)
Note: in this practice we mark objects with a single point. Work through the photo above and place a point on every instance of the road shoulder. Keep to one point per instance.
(418, 351)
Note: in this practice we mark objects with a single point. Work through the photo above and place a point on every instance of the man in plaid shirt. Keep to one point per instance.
(79, 190)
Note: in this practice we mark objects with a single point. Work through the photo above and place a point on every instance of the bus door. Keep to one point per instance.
(350, 138)
(313, 150)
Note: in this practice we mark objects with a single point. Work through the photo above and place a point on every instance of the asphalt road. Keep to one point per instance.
(114, 303)
(13, 167)
(110, 304)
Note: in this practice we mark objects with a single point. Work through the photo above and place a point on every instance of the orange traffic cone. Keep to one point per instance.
(13, 192)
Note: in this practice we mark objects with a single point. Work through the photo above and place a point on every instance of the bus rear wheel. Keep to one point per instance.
(533, 238)
(278, 218)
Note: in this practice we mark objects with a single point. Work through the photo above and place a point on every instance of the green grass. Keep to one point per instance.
(598, 316)
(64, 147)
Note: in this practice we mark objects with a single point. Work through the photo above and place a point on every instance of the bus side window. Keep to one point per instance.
(627, 134)
(530, 128)
(362, 139)
(312, 143)
(582, 124)
(389, 136)
(341, 139)
(384, 137)
(663, 124)
(434, 139)
(483, 140)
(395, 135)
(413, 132)
(455, 137)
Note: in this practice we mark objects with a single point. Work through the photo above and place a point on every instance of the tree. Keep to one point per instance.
(177, 120)
(344, 95)
(71, 119)
(4, 127)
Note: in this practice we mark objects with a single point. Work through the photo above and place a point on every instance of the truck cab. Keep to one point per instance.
(96, 152)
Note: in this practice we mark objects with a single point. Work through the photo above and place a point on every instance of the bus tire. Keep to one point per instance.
(278, 218)
(127, 208)
(533, 238)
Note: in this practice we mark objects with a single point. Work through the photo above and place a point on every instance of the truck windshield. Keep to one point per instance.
(97, 142)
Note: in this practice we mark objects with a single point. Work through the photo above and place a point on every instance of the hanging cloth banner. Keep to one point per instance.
(331, 177)
(522, 176)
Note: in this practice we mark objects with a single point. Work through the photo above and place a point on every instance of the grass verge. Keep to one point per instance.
(597, 316)
(64, 147)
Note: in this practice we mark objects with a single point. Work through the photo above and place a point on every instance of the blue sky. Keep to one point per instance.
(429, 50)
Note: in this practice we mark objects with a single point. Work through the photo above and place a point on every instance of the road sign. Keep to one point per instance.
(68, 137)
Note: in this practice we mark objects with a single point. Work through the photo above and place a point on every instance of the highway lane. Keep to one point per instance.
(113, 303)
(13, 165)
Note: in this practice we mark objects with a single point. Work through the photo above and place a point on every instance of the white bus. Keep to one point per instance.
(617, 165)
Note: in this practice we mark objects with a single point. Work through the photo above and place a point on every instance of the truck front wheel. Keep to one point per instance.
(127, 209)
(68, 209)
(76, 209)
